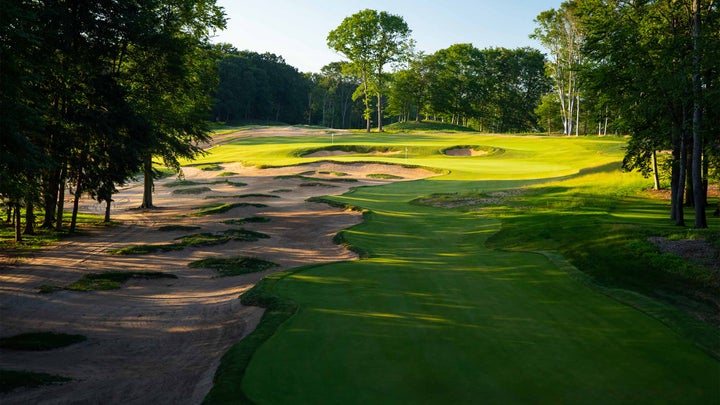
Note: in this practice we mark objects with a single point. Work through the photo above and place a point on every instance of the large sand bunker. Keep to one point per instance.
(161, 340)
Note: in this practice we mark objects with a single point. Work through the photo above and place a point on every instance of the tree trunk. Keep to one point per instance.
(29, 218)
(656, 176)
(107, 210)
(148, 183)
(50, 198)
(697, 149)
(18, 227)
(76, 203)
(379, 112)
(61, 205)
(682, 170)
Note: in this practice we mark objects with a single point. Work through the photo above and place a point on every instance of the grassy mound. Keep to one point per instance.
(433, 126)
(198, 239)
(233, 266)
(111, 280)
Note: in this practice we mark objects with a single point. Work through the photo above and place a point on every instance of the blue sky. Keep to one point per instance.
(297, 29)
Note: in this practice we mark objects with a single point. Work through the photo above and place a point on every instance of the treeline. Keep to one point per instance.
(91, 92)
(490, 90)
(650, 69)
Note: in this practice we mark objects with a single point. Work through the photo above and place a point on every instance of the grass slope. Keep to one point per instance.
(434, 315)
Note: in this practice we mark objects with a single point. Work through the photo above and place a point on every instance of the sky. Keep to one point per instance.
(297, 29)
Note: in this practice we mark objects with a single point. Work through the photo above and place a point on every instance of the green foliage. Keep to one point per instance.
(234, 266)
(37, 341)
(431, 126)
(12, 379)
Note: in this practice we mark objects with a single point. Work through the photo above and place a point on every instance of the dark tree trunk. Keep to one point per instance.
(18, 226)
(697, 149)
(29, 218)
(108, 202)
(50, 197)
(689, 194)
(76, 203)
(682, 172)
(61, 205)
(148, 184)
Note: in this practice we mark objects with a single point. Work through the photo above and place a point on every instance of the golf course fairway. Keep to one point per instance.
(432, 315)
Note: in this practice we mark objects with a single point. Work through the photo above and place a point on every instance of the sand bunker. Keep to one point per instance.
(465, 152)
(161, 340)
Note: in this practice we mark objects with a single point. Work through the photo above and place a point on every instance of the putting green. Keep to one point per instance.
(433, 316)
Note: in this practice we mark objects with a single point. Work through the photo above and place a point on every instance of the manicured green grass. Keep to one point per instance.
(12, 379)
(38, 341)
(451, 305)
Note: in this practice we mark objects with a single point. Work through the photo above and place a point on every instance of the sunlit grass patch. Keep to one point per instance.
(384, 176)
(38, 341)
(234, 266)
(219, 208)
(316, 179)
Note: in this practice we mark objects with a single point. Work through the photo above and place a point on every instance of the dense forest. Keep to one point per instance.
(94, 93)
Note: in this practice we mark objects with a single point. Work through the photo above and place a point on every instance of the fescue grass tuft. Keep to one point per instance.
(38, 341)
(234, 266)
(12, 379)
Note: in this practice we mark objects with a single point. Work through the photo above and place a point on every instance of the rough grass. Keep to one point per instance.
(220, 208)
(192, 190)
(241, 221)
(13, 379)
(233, 266)
(39, 341)
(384, 176)
(198, 239)
(111, 280)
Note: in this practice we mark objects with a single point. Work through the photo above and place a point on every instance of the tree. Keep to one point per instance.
(371, 40)
(559, 31)
(656, 63)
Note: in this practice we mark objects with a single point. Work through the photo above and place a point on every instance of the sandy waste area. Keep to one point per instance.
(160, 341)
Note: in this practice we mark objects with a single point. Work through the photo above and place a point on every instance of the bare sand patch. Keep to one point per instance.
(465, 152)
(161, 340)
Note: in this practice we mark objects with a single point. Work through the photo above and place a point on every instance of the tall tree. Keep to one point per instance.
(559, 31)
(371, 40)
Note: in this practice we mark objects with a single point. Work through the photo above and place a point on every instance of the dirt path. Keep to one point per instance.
(160, 341)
